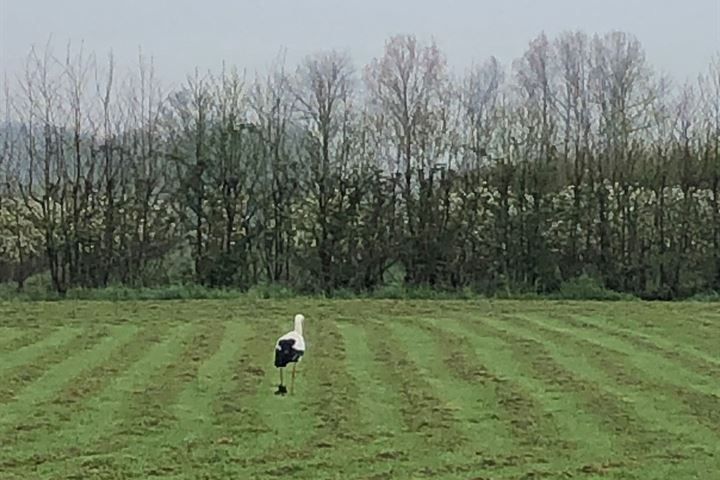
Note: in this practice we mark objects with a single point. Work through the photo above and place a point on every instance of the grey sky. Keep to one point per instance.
(679, 36)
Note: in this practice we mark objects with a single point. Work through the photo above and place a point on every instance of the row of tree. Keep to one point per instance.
(577, 159)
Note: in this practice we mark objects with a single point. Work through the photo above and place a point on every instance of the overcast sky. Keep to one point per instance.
(679, 36)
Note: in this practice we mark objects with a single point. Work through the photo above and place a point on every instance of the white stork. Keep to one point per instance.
(290, 349)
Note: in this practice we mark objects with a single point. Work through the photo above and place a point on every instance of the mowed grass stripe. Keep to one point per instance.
(369, 372)
(505, 418)
(234, 406)
(81, 354)
(687, 356)
(21, 376)
(281, 427)
(379, 417)
(609, 413)
(95, 433)
(35, 344)
(240, 428)
(149, 410)
(331, 391)
(550, 427)
(656, 366)
(194, 405)
(8, 335)
(657, 406)
(424, 413)
(467, 396)
(70, 401)
(387, 448)
(321, 414)
(668, 377)
(255, 427)
(471, 399)
(194, 438)
(23, 337)
(690, 325)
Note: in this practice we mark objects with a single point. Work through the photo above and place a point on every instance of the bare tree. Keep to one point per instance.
(80, 164)
(406, 85)
(192, 109)
(583, 161)
(324, 94)
(43, 192)
(576, 116)
(7, 141)
(479, 99)
(234, 165)
(536, 80)
(147, 229)
(272, 106)
(623, 94)
(710, 92)
(108, 148)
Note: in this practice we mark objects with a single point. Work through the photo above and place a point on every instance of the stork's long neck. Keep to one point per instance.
(298, 326)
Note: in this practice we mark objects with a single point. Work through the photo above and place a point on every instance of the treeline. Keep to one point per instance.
(578, 159)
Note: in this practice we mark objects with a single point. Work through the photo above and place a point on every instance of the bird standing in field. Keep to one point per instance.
(290, 349)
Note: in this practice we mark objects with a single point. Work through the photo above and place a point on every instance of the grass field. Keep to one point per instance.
(483, 390)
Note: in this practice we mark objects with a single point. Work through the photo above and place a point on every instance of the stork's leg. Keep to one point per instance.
(281, 388)
(292, 382)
